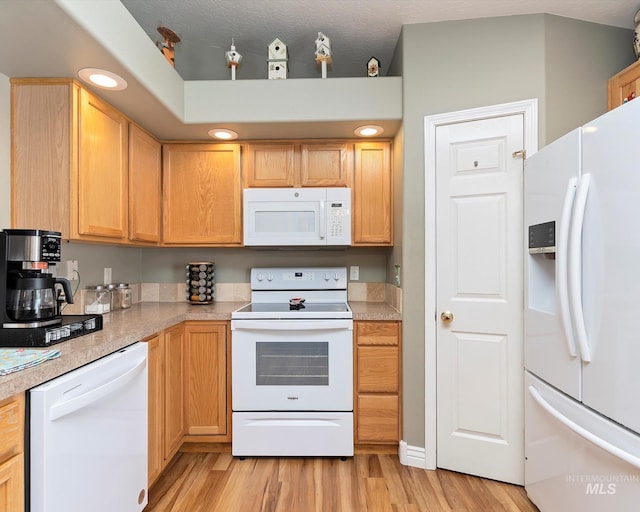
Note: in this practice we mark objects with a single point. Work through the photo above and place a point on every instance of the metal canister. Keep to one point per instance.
(200, 282)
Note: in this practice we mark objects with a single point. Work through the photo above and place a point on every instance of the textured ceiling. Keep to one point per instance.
(358, 29)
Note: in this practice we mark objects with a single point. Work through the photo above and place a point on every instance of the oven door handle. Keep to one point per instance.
(292, 325)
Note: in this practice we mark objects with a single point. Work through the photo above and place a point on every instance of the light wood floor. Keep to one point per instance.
(207, 481)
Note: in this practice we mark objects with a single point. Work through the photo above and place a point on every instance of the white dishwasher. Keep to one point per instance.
(88, 437)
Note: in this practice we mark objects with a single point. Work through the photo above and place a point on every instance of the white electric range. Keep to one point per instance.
(292, 365)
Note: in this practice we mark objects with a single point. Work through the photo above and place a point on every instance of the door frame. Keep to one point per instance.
(529, 109)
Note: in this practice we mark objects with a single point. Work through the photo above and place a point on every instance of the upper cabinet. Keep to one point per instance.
(202, 194)
(100, 183)
(145, 186)
(71, 164)
(372, 194)
(298, 164)
(624, 86)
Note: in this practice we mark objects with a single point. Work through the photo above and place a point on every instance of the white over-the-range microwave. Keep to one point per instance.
(276, 217)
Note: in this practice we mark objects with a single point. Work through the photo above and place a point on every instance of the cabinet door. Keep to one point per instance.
(12, 485)
(270, 165)
(12, 419)
(145, 186)
(173, 390)
(43, 123)
(156, 406)
(102, 171)
(326, 165)
(202, 194)
(206, 389)
(372, 194)
(378, 419)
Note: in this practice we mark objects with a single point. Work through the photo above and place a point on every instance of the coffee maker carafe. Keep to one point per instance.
(28, 292)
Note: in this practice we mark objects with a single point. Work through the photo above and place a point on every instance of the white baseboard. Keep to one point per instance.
(413, 456)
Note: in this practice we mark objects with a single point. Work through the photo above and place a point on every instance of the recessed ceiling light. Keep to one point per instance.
(103, 79)
(368, 130)
(222, 134)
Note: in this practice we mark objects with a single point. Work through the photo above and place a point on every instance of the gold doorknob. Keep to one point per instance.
(446, 316)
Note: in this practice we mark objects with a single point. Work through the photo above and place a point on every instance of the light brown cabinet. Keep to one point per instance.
(298, 164)
(174, 385)
(101, 181)
(155, 363)
(377, 382)
(372, 195)
(71, 165)
(145, 186)
(12, 420)
(207, 389)
(202, 195)
(624, 85)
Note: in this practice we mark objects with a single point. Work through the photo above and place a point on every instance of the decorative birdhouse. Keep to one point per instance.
(233, 59)
(167, 47)
(373, 67)
(323, 52)
(278, 57)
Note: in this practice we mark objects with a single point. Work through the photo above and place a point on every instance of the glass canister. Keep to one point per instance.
(125, 296)
(201, 278)
(97, 300)
(114, 296)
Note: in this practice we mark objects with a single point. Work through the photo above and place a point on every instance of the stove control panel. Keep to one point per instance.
(329, 278)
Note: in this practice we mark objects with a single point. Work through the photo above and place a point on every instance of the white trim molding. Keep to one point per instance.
(529, 109)
(413, 456)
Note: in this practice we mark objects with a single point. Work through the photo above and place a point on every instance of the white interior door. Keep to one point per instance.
(479, 297)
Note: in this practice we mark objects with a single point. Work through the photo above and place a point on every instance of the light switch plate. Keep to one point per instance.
(354, 273)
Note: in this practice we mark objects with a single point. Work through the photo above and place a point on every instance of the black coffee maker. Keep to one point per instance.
(31, 296)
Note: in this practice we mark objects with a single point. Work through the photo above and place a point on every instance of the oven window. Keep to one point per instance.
(298, 363)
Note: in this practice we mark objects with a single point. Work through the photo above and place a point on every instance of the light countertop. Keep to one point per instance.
(127, 326)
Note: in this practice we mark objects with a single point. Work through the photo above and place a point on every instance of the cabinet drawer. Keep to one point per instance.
(11, 427)
(378, 369)
(378, 419)
(377, 333)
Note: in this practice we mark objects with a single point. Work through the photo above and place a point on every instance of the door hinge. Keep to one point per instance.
(520, 154)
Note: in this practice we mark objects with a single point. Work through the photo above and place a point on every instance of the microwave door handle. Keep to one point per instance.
(323, 220)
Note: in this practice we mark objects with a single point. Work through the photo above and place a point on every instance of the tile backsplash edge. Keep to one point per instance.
(240, 292)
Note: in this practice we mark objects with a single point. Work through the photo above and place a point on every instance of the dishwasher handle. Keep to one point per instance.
(67, 407)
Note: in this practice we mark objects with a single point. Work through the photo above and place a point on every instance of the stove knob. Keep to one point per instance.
(336, 277)
(327, 277)
(260, 277)
(269, 277)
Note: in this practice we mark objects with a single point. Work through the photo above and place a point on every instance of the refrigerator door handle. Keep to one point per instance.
(561, 262)
(582, 432)
(575, 266)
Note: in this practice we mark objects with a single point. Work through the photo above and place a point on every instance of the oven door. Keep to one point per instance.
(292, 365)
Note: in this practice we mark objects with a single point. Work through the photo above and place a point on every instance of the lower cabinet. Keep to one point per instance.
(377, 393)
(166, 397)
(12, 420)
(156, 406)
(207, 378)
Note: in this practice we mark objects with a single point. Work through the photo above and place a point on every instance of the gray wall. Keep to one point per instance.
(452, 66)
(166, 264)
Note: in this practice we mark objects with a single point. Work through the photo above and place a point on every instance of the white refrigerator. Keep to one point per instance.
(582, 318)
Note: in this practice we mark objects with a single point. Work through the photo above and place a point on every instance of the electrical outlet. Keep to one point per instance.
(72, 270)
(354, 273)
(107, 275)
